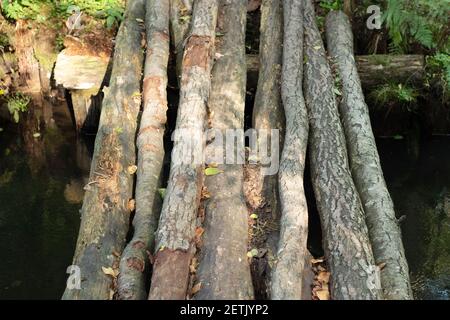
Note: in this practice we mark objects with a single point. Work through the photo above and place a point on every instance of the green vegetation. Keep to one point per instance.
(42, 10)
(331, 4)
(390, 93)
(422, 23)
(17, 103)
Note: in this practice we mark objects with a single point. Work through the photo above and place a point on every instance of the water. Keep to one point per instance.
(421, 192)
(41, 181)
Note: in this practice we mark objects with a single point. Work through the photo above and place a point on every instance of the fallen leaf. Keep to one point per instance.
(196, 288)
(131, 204)
(205, 193)
(316, 261)
(132, 169)
(323, 294)
(323, 276)
(193, 266)
(162, 192)
(212, 171)
(382, 265)
(110, 272)
(199, 231)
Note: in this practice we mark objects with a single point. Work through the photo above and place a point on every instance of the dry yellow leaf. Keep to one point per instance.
(323, 276)
(196, 288)
(110, 271)
(131, 204)
(132, 169)
(323, 294)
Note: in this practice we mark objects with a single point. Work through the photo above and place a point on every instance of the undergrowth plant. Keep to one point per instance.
(43, 10)
(392, 94)
(17, 103)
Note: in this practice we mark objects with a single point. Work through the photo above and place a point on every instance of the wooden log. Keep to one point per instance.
(176, 230)
(384, 232)
(134, 261)
(345, 236)
(268, 114)
(267, 110)
(105, 214)
(224, 271)
(287, 275)
(377, 69)
(180, 17)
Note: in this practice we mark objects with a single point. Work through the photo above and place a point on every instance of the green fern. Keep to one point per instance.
(423, 22)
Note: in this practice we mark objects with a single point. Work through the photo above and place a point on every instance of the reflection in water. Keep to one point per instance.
(421, 192)
(41, 190)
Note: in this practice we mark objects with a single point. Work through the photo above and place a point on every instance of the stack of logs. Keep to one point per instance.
(295, 94)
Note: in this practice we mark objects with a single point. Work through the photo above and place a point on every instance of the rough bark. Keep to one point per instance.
(150, 144)
(384, 232)
(176, 230)
(105, 213)
(267, 110)
(180, 16)
(345, 236)
(224, 272)
(287, 275)
(376, 69)
(268, 114)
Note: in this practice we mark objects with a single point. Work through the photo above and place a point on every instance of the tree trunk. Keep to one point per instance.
(176, 231)
(288, 272)
(180, 16)
(150, 144)
(384, 232)
(224, 272)
(267, 110)
(376, 69)
(106, 211)
(345, 235)
(267, 115)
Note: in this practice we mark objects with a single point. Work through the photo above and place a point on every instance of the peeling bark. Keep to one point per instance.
(150, 144)
(384, 232)
(287, 275)
(176, 230)
(224, 272)
(345, 236)
(105, 213)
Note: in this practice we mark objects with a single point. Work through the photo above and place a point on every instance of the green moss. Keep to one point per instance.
(46, 60)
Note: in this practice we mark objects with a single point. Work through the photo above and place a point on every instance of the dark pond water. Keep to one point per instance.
(421, 192)
(41, 181)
